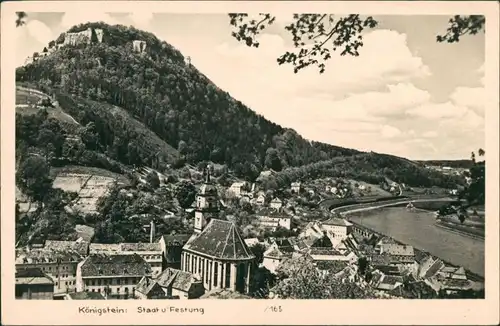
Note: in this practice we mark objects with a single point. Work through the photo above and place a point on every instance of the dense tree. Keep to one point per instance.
(33, 178)
(258, 250)
(153, 179)
(185, 192)
(299, 279)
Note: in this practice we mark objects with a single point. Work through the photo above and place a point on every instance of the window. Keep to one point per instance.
(216, 273)
(228, 276)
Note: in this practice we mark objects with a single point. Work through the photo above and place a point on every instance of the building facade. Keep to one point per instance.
(339, 228)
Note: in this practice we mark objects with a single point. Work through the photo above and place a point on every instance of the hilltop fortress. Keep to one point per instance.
(83, 36)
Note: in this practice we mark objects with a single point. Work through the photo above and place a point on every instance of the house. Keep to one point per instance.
(115, 275)
(274, 256)
(149, 288)
(400, 254)
(84, 296)
(180, 284)
(429, 267)
(59, 264)
(383, 282)
(33, 284)
(237, 189)
(340, 228)
(451, 272)
(276, 203)
(150, 252)
(311, 233)
(260, 200)
(296, 187)
(171, 247)
(272, 218)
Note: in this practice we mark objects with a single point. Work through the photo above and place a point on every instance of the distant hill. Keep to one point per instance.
(145, 105)
(464, 164)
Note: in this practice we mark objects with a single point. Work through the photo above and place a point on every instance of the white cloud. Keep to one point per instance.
(39, 31)
(438, 111)
(389, 131)
(472, 97)
(430, 134)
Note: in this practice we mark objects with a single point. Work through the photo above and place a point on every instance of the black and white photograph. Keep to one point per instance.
(229, 155)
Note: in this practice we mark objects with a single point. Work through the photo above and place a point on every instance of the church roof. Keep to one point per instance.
(220, 239)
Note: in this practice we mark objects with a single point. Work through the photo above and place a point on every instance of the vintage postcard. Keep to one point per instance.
(308, 162)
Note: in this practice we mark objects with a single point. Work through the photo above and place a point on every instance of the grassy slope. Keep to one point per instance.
(23, 97)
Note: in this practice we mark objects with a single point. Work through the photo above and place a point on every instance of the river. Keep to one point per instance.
(417, 228)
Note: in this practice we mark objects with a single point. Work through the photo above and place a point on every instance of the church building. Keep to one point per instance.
(216, 252)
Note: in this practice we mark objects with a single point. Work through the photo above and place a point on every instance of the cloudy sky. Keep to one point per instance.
(405, 94)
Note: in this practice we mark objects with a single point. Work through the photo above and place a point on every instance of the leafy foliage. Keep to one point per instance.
(299, 279)
(33, 178)
(185, 192)
(460, 26)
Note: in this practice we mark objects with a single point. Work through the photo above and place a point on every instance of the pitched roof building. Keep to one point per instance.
(116, 275)
(33, 284)
(216, 252)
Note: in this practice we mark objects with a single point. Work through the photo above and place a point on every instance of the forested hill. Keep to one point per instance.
(172, 98)
(154, 87)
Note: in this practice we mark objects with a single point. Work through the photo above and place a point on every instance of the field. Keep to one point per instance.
(89, 183)
(26, 100)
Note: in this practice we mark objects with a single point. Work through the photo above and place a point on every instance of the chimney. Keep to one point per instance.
(152, 232)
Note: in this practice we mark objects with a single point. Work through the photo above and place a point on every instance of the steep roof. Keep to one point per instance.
(175, 239)
(337, 221)
(177, 279)
(220, 239)
(78, 246)
(397, 249)
(111, 265)
(140, 247)
(32, 276)
(46, 255)
(147, 285)
(436, 266)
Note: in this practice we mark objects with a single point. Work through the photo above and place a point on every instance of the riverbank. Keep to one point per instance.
(468, 232)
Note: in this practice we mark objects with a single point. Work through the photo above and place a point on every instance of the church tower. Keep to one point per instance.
(206, 203)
